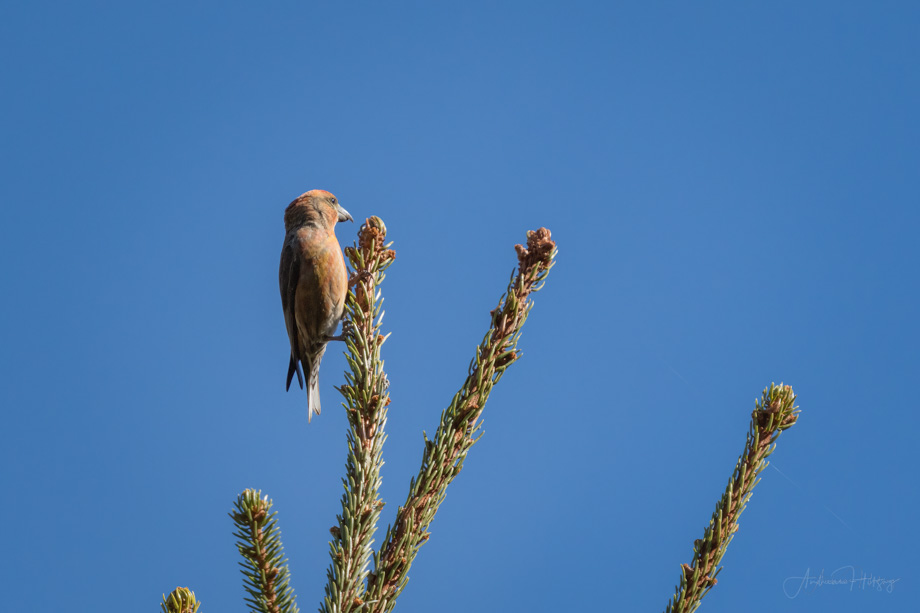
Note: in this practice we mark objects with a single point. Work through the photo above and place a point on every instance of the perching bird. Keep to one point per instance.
(313, 284)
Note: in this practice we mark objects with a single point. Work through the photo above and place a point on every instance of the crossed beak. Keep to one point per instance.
(343, 214)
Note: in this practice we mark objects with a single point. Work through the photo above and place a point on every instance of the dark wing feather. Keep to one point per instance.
(288, 277)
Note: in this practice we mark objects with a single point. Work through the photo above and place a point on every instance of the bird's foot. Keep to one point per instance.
(348, 331)
(360, 275)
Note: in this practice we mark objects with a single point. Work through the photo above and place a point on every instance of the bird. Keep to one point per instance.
(313, 282)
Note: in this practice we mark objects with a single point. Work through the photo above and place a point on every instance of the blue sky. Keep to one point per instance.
(734, 192)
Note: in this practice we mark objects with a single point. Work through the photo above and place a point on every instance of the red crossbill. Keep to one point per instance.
(313, 284)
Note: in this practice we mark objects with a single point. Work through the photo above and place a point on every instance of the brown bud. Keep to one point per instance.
(539, 247)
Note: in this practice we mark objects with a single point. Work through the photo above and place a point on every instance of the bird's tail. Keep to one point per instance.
(313, 406)
(313, 397)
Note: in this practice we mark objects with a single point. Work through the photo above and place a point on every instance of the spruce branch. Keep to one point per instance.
(180, 600)
(774, 412)
(265, 572)
(443, 456)
(366, 399)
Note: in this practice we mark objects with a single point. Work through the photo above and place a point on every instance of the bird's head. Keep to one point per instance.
(314, 208)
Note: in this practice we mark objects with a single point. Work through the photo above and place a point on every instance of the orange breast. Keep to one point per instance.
(322, 286)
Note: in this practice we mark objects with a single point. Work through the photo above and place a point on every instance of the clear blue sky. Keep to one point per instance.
(734, 191)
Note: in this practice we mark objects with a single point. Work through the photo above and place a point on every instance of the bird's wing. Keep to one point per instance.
(288, 277)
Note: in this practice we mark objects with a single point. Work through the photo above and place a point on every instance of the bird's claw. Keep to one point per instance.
(360, 275)
(348, 331)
